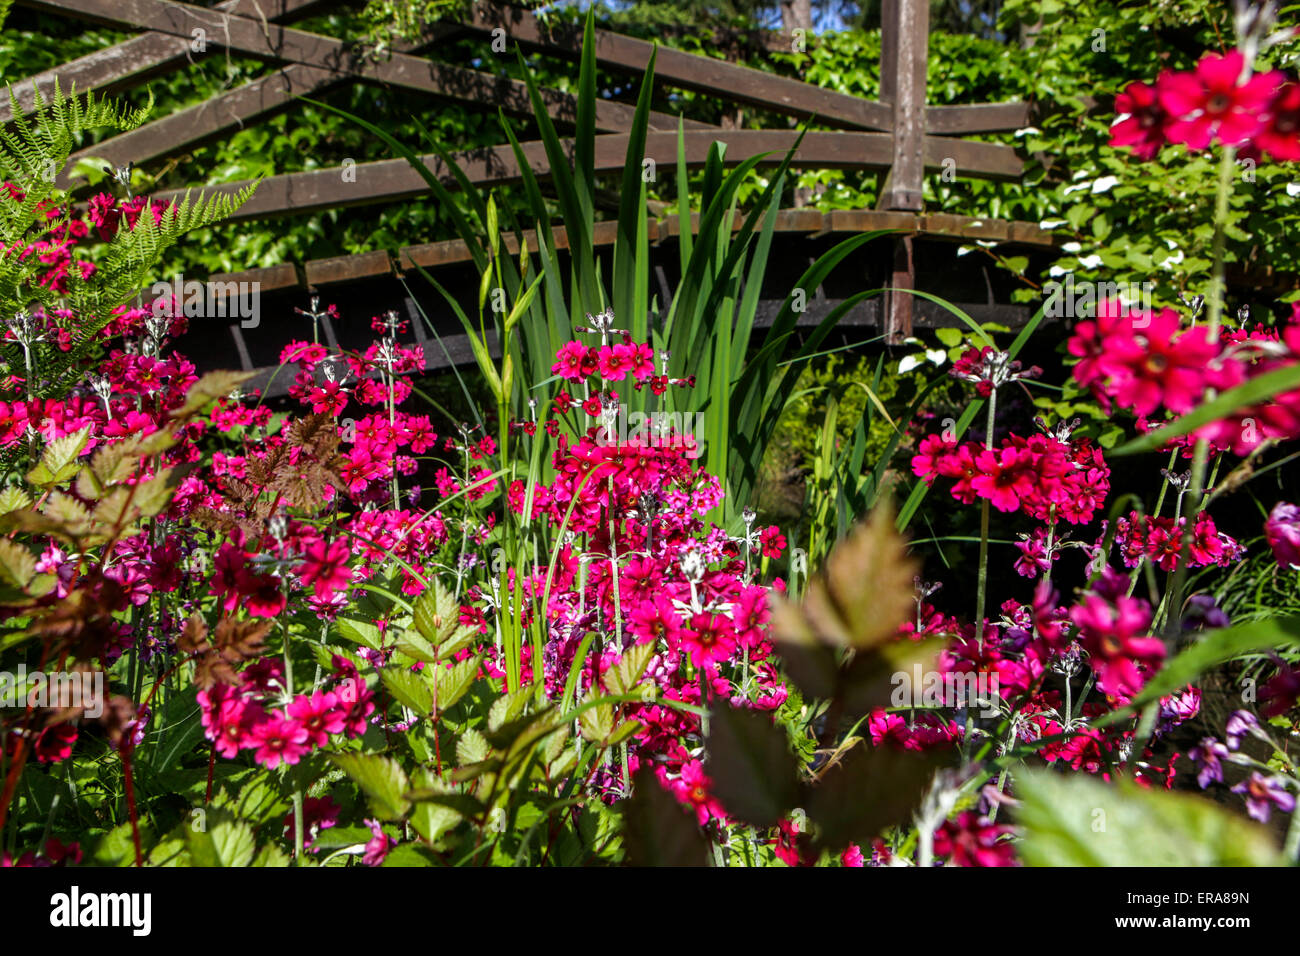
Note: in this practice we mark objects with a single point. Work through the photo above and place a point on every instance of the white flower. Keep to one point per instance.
(1103, 184)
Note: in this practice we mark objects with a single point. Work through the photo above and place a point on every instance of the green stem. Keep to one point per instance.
(981, 591)
(1214, 318)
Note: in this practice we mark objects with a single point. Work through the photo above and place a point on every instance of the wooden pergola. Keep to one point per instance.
(901, 137)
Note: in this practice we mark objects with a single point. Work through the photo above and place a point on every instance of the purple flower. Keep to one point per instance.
(1282, 529)
(1208, 753)
(1264, 793)
(1203, 612)
(1179, 707)
(1241, 723)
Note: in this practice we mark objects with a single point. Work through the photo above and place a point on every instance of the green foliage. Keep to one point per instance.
(33, 150)
(1079, 821)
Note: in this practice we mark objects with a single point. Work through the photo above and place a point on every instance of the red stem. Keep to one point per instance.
(124, 750)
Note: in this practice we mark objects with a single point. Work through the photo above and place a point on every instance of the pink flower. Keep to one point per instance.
(971, 841)
(325, 567)
(1212, 102)
(1155, 365)
(692, 789)
(614, 362)
(710, 638)
(1282, 530)
(1109, 633)
(1005, 477)
(1142, 127)
(377, 848)
(319, 715)
(278, 740)
(575, 362)
(773, 541)
(1280, 137)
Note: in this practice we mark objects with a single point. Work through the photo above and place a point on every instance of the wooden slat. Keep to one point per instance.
(976, 118)
(703, 74)
(430, 255)
(328, 55)
(270, 279)
(364, 265)
(392, 180)
(138, 58)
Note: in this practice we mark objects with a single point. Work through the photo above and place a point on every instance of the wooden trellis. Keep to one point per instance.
(901, 137)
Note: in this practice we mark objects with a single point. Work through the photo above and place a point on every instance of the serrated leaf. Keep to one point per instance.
(437, 616)
(657, 830)
(223, 841)
(64, 508)
(754, 772)
(381, 778)
(430, 819)
(14, 498)
(410, 689)
(472, 747)
(866, 589)
(596, 723)
(1079, 821)
(453, 682)
(623, 677)
(59, 463)
(871, 789)
(507, 707)
(413, 645)
(17, 564)
(359, 632)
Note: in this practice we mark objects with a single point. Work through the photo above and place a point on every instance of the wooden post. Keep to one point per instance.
(904, 48)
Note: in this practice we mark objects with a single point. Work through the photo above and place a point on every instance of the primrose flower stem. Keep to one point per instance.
(982, 582)
(297, 790)
(1214, 316)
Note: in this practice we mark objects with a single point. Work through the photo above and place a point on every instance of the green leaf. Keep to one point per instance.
(623, 677)
(360, 632)
(382, 779)
(754, 772)
(455, 681)
(409, 688)
(949, 337)
(59, 463)
(1079, 821)
(223, 840)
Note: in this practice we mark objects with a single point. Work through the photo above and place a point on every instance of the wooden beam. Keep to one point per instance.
(976, 118)
(138, 58)
(903, 62)
(431, 255)
(689, 71)
(393, 180)
(274, 381)
(327, 56)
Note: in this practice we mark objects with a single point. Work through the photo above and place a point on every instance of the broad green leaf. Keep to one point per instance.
(870, 789)
(381, 778)
(754, 771)
(658, 831)
(1077, 820)
(409, 688)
